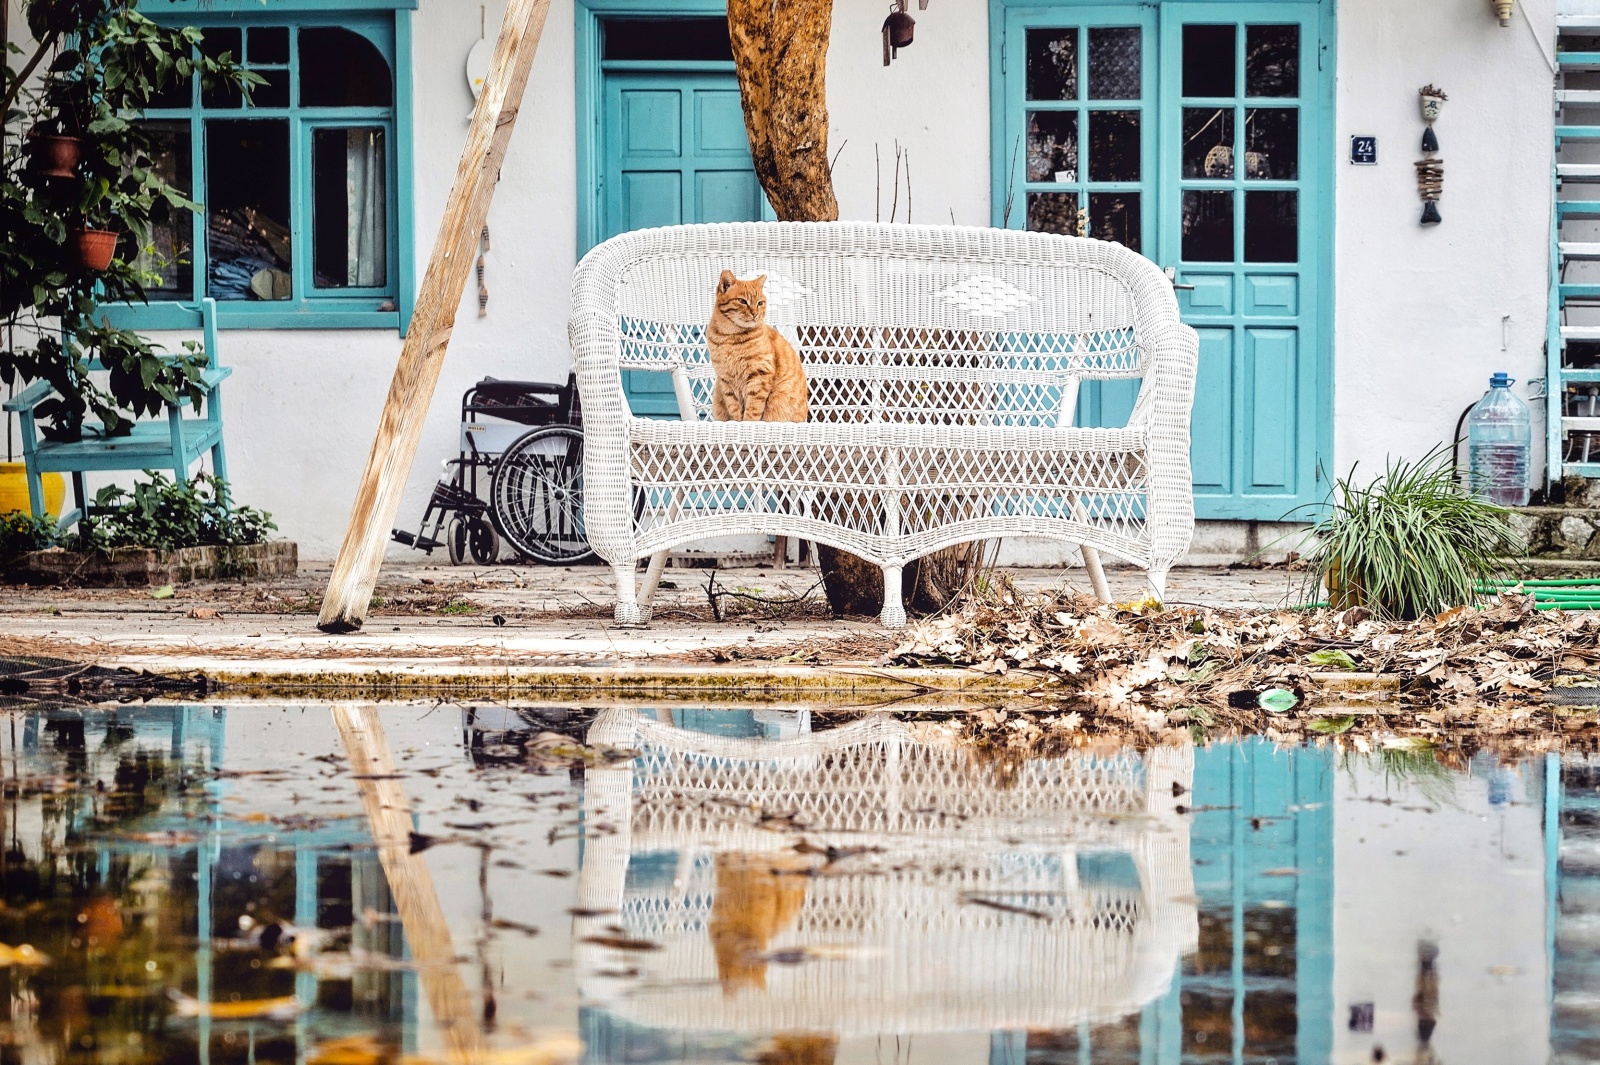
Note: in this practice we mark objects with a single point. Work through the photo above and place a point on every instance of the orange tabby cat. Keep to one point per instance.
(759, 378)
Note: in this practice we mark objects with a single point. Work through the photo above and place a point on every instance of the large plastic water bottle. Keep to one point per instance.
(1499, 440)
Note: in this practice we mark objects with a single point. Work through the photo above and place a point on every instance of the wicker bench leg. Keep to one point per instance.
(894, 610)
(628, 611)
(1158, 584)
(1097, 574)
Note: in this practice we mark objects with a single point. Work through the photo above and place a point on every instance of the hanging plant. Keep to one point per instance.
(80, 187)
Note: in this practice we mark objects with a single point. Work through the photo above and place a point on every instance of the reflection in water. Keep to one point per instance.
(875, 878)
(340, 884)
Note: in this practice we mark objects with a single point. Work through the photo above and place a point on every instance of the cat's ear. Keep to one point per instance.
(759, 282)
(725, 282)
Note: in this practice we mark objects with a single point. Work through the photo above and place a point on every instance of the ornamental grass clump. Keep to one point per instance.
(1410, 544)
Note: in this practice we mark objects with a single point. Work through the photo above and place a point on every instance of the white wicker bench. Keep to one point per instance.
(943, 365)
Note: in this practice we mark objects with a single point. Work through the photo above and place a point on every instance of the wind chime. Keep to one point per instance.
(898, 28)
(1430, 168)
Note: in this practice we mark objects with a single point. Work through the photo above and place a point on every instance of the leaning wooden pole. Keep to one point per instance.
(410, 882)
(377, 501)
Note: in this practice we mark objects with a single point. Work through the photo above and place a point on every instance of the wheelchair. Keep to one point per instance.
(518, 479)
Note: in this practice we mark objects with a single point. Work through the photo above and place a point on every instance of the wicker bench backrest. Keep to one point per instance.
(980, 327)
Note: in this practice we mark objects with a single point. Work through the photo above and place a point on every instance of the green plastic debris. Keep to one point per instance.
(163, 592)
(1332, 656)
(1277, 700)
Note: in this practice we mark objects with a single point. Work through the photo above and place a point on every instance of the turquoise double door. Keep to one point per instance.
(1198, 134)
(675, 151)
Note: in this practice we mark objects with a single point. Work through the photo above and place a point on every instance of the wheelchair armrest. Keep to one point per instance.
(29, 397)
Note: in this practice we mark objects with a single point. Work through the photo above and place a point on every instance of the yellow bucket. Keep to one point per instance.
(14, 490)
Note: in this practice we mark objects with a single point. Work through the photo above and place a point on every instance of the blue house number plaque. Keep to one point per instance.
(1363, 151)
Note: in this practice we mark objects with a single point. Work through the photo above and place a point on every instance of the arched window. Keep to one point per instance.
(298, 178)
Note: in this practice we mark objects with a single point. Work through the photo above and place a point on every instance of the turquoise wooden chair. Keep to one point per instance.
(175, 443)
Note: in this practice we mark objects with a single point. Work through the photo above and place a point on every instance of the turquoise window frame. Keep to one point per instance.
(1318, 223)
(388, 25)
(590, 98)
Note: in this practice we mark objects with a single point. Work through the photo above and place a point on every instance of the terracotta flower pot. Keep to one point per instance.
(58, 156)
(93, 247)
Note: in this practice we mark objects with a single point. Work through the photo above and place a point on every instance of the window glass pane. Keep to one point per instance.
(1053, 64)
(339, 68)
(1272, 143)
(268, 45)
(1053, 212)
(169, 253)
(1271, 227)
(218, 42)
(1113, 146)
(1114, 63)
(1053, 146)
(666, 38)
(275, 93)
(1209, 61)
(247, 209)
(1272, 61)
(1115, 216)
(1208, 142)
(349, 214)
(1208, 227)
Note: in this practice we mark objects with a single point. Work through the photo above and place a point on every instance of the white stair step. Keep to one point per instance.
(1578, 96)
(1579, 249)
(1580, 332)
(1578, 171)
(1577, 23)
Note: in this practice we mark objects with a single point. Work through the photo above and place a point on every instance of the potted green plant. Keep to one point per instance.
(94, 68)
(1408, 544)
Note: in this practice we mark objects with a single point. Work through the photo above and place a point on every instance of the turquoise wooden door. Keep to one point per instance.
(674, 151)
(1198, 135)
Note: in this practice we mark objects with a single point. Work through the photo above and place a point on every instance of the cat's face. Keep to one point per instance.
(742, 302)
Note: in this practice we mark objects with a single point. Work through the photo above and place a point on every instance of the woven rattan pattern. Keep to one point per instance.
(943, 365)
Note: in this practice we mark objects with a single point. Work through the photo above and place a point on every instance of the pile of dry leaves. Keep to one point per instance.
(1141, 656)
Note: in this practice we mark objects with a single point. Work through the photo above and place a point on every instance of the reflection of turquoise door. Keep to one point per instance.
(1198, 134)
(674, 151)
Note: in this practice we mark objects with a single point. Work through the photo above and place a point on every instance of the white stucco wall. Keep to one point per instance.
(1418, 323)
(1418, 318)
(1446, 865)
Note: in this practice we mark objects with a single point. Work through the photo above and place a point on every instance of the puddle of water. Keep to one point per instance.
(349, 885)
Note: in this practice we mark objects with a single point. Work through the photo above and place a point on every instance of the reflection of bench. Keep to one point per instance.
(1081, 863)
(943, 365)
(175, 443)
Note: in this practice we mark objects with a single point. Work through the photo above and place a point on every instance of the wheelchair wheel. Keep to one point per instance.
(455, 539)
(483, 541)
(537, 496)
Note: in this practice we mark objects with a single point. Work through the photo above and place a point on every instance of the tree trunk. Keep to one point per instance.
(781, 52)
(780, 48)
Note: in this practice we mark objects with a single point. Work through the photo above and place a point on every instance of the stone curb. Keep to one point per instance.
(754, 682)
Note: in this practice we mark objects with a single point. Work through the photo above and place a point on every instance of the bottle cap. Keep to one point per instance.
(1500, 380)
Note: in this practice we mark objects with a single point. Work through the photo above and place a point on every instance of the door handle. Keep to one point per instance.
(1172, 279)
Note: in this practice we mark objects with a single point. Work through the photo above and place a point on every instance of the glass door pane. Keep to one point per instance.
(1233, 107)
(1081, 140)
